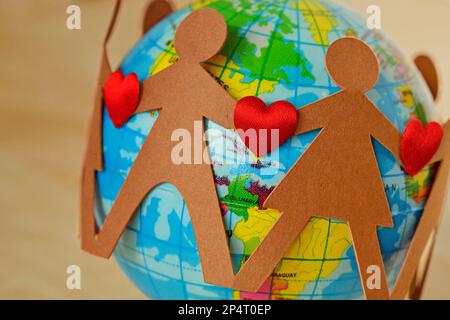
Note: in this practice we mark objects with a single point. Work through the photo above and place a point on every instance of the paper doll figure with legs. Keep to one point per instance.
(430, 218)
(184, 93)
(93, 159)
(348, 119)
(409, 279)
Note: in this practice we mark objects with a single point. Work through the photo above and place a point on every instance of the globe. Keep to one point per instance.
(274, 50)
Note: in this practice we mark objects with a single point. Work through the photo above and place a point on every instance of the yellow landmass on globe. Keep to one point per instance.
(406, 95)
(418, 187)
(200, 4)
(230, 79)
(314, 255)
(234, 80)
(321, 21)
(253, 231)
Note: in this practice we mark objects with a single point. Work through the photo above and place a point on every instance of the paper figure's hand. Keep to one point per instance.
(445, 145)
(391, 140)
(383, 130)
(151, 88)
(222, 113)
(314, 116)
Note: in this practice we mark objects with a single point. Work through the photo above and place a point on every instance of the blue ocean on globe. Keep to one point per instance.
(274, 50)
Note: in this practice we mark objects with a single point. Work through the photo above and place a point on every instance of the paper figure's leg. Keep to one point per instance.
(268, 254)
(207, 220)
(427, 223)
(370, 262)
(93, 161)
(421, 275)
(88, 227)
(136, 186)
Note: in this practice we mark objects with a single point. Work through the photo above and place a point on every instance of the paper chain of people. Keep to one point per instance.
(347, 120)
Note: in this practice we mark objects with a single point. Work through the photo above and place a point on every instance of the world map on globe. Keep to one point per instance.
(274, 50)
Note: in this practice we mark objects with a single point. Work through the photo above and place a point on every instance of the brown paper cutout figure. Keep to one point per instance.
(428, 69)
(339, 171)
(184, 93)
(436, 200)
(93, 159)
(429, 220)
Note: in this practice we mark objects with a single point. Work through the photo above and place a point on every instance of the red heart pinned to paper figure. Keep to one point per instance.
(419, 145)
(271, 125)
(121, 96)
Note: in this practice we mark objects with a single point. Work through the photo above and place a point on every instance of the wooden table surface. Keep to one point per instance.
(47, 82)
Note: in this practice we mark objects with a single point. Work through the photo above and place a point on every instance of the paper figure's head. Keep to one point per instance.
(447, 129)
(201, 35)
(352, 64)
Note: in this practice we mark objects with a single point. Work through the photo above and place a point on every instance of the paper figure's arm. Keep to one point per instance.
(384, 131)
(225, 112)
(439, 156)
(156, 11)
(313, 116)
(220, 104)
(151, 98)
(445, 145)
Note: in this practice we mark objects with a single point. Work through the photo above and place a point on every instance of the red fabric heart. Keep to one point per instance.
(278, 118)
(121, 96)
(419, 145)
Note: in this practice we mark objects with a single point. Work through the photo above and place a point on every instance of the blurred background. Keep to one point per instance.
(47, 82)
